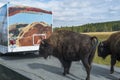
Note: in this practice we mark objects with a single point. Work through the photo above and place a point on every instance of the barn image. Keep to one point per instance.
(23, 27)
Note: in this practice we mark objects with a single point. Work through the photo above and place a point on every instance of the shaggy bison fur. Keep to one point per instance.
(111, 46)
(70, 46)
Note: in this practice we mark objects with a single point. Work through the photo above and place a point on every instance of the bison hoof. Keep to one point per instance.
(87, 78)
(111, 72)
(68, 73)
(64, 74)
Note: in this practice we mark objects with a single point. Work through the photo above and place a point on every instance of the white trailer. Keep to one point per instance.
(23, 27)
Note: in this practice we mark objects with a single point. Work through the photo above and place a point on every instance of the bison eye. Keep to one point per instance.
(101, 46)
(42, 47)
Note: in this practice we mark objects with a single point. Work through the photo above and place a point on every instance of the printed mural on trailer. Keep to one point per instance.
(27, 24)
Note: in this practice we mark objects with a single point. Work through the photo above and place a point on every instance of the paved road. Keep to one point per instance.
(38, 68)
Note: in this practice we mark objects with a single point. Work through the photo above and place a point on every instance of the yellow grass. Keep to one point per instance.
(100, 35)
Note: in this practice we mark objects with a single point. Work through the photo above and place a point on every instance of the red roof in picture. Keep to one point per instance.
(20, 9)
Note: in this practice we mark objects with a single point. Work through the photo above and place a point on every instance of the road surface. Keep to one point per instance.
(37, 68)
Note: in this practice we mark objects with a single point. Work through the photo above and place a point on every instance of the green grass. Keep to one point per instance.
(102, 36)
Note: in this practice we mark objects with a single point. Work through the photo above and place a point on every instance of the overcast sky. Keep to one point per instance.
(76, 12)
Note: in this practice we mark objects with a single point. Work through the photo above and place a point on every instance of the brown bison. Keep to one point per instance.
(111, 46)
(70, 46)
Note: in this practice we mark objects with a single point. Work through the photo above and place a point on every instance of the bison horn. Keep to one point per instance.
(42, 42)
(101, 44)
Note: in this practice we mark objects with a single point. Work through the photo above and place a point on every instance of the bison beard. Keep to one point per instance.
(69, 46)
(111, 46)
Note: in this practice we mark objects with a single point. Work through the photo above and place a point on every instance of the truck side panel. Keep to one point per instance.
(3, 30)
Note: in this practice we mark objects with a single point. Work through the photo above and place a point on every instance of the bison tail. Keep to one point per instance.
(94, 41)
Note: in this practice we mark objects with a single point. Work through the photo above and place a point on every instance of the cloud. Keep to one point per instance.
(81, 12)
(77, 12)
(1, 4)
(108, 0)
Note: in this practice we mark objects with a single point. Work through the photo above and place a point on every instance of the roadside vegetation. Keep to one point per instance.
(93, 27)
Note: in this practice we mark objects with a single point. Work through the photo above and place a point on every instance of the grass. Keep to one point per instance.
(102, 36)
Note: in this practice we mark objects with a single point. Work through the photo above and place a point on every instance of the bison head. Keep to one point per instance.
(45, 49)
(103, 49)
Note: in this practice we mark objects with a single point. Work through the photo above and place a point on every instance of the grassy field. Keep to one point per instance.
(102, 36)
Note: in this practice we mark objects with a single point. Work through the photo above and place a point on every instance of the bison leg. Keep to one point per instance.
(91, 57)
(66, 65)
(87, 67)
(90, 61)
(113, 62)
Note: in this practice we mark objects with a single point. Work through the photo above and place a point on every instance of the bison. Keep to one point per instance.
(111, 46)
(68, 46)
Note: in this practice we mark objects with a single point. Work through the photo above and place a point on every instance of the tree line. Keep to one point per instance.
(93, 27)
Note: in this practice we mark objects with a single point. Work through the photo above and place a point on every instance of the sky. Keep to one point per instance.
(76, 12)
(30, 18)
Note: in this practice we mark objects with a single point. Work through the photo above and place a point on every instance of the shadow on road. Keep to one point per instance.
(52, 69)
(46, 67)
(96, 71)
(99, 71)
(19, 56)
(8, 74)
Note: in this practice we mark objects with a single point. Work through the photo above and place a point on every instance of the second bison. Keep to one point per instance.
(111, 46)
(70, 46)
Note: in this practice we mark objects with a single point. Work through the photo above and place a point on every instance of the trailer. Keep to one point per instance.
(23, 27)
